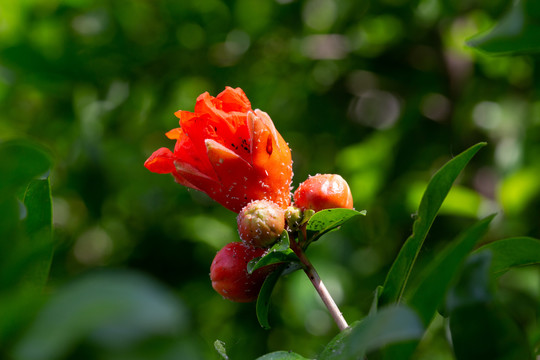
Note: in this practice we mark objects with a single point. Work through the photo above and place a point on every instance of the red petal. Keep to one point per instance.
(193, 176)
(174, 134)
(261, 140)
(161, 161)
(191, 173)
(229, 166)
(268, 123)
(271, 158)
(190, 148)
(180, 180)
(234, 100)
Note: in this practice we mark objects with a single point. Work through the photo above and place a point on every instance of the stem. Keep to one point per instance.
(319, 286)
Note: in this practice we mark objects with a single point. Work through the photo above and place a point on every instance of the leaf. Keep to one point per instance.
(375, 303)
(21, 162)
(327, 220)
(263, 301)
(38, 223)
(436, 191)
(18, 307)
(512, 252)
(26, 258)
(388, 326)
(9, 235)
(516, 32)
(460, 201)
(282, 355)
(220, 348)
(480, 328)
(280, 252)
(436, 280)
(110, 308)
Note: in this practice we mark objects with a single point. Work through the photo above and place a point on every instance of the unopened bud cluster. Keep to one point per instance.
(326, 191)
(260, 224)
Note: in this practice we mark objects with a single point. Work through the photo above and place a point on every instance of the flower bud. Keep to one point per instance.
(293, 216)
(324, 191)
(229, 275)
(260, 223)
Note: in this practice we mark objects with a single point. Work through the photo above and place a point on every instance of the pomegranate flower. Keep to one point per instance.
(229, 151)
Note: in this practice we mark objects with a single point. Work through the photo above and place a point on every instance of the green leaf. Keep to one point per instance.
(324, 221)
(460, 201)
(263, 301)
(220, 348)
(109, 308)
(280, 252)
(26, 258)
(436, 280)
(38, 223)
(480, 327)
(436, 191)
(375, 303)
(282, 355)
(21, 162)
(512, 252)
(388, 326)
(18, 307)
(516, 32)
(273, 257)
(9, 235)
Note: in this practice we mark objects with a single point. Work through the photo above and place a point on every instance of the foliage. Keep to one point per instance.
(101, 259)
(516, 32)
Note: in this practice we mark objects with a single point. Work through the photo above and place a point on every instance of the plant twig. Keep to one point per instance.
(319, 286)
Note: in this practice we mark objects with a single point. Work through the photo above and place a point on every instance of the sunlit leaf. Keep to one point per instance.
(480, 327)
(388, 326)
(512, 252)
(436, 191)
(461, 201)
(331, 218)
(324, 221)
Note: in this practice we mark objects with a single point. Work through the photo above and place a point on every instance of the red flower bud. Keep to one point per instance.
(321, 192)
(229, 275)
(229, 151)
(260, 223)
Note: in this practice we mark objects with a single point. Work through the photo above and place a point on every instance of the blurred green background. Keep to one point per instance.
(382, 92)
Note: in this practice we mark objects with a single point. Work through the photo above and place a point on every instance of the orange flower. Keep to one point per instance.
(229, 151)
